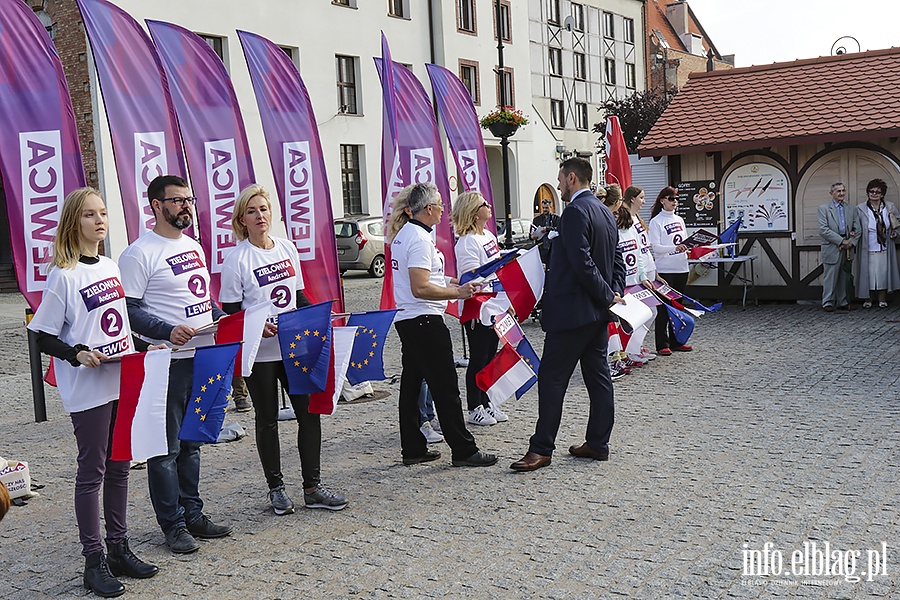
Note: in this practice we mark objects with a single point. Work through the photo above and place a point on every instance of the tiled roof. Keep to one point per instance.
(831, 98)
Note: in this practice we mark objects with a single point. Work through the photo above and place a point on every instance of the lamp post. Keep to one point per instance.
(503, 130)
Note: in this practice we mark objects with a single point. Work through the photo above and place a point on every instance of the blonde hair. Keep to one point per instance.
(613, 194)
(240, 207)
(465, 212)
(67, 243)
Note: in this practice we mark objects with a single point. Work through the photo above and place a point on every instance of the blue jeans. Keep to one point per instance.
(174, 479)
(426, 404)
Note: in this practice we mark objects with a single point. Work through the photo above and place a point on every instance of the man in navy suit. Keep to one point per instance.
(585, 277)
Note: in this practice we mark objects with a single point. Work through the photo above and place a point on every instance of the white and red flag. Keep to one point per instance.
(245, 326)
(618, 167)
(523, 280)
(324, 402)
(504, 375)
(140, 429)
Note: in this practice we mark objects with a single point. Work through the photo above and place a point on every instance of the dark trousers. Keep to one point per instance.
(483, 342)
(562, 351)
(174, 478)
(665, 335)
(427, 354)
(263, 387)
(93, 436)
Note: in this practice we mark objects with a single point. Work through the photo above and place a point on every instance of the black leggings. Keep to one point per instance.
(263, 389)
(665, 335)
(483, 344)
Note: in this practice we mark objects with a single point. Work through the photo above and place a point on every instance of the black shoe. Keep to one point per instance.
(98, 579)
(205, 529)
(122, 561)
(479, 459)
(180, 541)
(429, 456)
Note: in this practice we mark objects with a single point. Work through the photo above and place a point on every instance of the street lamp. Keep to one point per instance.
(503, 130)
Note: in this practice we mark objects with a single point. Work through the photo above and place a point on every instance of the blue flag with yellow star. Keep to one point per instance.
(531, 359)
(210, 393)
(367, 356)
(304, 336)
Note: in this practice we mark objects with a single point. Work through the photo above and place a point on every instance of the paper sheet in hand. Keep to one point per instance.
(635, 312)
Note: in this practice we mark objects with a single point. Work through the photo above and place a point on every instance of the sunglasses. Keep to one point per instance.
(671, 197)
(484, 205)
(875, 192)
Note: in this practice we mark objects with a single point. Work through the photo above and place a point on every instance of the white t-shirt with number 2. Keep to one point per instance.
(251, 275)
(86, 305)
(170, 277)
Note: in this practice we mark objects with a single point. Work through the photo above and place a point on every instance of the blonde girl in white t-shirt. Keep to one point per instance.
(81, 322)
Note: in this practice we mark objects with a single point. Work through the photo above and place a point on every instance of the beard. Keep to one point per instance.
(181, 220)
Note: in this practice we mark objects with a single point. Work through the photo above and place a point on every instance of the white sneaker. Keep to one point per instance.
(479, 416)
(647, 354)
(638, 358)
(495, 412)
(436, 425)
(431, 436)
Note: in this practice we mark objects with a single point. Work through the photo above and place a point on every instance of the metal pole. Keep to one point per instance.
(37, 380)
(504, 149)
(504, 101)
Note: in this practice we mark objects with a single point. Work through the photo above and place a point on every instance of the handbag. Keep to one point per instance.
(895, 222)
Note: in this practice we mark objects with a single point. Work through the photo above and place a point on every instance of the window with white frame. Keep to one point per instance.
(629, 76)
(555, 56)
(609, 69)
(553, 11)
(578, 16)
(581, 116)
(465, 15)
(609, 25)
(351, 186)
(580, 66)
(557, 114)
(346, 84)
(629, 31)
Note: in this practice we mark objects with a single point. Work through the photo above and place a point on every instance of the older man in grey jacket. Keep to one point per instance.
(839, 228)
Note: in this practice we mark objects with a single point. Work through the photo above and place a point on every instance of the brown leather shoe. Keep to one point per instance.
(531, 462)
(584, 451)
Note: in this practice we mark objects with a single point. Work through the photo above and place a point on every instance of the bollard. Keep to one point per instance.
(37, 380)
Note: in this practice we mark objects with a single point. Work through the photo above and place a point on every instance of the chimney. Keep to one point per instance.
(677, 14)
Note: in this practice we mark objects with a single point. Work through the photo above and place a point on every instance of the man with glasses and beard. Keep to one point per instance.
(542, 225)
(166, 284)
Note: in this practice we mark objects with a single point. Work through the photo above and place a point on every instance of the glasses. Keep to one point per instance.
(484, 205)
(435, 204)
(875, 192)
(671, 197)
(179, 202)
(545, 203)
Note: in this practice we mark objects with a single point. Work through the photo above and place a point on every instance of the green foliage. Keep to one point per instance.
(637, 113)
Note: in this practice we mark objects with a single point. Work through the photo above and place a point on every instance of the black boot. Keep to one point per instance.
(122, 561)
(98, 579)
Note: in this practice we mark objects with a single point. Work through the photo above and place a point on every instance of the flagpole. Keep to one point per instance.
(504, 139)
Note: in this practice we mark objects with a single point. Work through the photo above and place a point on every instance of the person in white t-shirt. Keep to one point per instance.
(667, 234)
(475, 247)
(262, 268)
(421, 293)
(167, 291)
(81, 322)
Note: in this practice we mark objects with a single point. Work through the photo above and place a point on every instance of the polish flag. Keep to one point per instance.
(615, 339)
(140, 429)
(324, 402)
(506, 373)
(245, 326)
(523, 280)
(618, 167)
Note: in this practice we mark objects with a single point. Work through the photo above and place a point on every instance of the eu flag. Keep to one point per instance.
(531, 359)
(367, 356)
(487, 268)
(304, 336)
(682, 324)
(210, 393)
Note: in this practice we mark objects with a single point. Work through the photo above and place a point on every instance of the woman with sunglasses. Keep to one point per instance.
(475, 247)
(82, 322)
(542, 225)
(667, 234)
(876, 271)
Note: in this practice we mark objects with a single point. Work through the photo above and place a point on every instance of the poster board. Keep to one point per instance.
(698, 204)
(758, 192)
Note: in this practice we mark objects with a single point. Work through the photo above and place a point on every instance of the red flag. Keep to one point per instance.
(244, 326)
(324, 402)
(618, 167)
(505, 374)
(140, 429)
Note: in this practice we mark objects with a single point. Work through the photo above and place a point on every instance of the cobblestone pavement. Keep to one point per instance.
(780, 428)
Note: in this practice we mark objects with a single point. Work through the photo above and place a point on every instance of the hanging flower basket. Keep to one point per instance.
(503, 121)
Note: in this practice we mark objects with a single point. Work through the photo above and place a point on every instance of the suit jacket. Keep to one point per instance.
(586, 269)
(829, 226)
